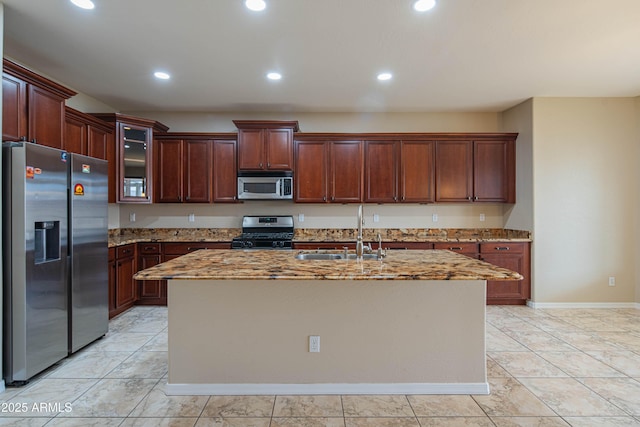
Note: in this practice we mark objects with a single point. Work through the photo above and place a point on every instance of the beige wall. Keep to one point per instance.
(520, 215)
(637, 208)
(585, 194)
(315, 215)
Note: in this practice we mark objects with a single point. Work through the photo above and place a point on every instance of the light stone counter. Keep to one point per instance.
(240, 323)
(124, 236)
(220, 264)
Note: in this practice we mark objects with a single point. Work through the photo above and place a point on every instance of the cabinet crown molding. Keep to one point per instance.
(267, 124)
(406, 136)
(133, 120)
(31, 77)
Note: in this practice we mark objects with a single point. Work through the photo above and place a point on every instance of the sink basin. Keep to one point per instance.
(318, 256)
(330, 256)
(364, 256)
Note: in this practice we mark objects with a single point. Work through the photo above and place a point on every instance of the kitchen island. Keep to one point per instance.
(240, 322)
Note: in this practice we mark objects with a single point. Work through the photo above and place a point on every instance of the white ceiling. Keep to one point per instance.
(464, 55)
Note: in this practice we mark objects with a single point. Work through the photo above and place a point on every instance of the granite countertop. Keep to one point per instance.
(231, 264)
(118, 237)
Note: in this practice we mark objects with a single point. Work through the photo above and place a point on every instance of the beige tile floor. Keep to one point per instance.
(547, 367)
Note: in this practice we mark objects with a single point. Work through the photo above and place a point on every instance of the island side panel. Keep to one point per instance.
(256, 332)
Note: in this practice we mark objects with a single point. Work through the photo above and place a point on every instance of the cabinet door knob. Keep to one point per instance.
(260, 164)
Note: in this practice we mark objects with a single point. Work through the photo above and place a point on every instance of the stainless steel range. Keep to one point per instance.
(265, 232)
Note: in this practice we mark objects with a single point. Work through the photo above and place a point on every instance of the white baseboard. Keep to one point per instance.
(307, 389)
(533, 304)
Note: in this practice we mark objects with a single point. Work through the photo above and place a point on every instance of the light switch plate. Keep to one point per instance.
(314, 343)
(300, 217)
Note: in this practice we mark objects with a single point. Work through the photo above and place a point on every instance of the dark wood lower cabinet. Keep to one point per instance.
(122, 289)
(150, 292)
(514, 256)
(124, 292)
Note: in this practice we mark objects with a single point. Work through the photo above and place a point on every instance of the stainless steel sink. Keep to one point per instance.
(318, 256)
(364, 256)
(331, 256)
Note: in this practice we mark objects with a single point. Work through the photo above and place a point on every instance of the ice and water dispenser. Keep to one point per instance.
(47, 241)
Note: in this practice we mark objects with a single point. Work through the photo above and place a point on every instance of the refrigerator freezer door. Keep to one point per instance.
(89, 311)
(35, 259)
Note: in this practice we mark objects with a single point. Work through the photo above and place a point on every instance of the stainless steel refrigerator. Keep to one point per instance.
(55, 256)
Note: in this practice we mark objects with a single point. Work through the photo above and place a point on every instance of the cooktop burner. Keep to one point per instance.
(265, 232)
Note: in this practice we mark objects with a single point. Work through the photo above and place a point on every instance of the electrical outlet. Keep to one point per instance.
(376, 218)
(132, 217)
(434, 217)
(612, 281)
(300, 217)
(192, 218)
(481, 217)
(314, 344)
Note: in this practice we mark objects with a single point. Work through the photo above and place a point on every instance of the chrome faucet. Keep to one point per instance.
(359, 244)
(381, 252)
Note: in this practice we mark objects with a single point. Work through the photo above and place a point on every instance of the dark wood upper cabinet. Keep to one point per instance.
(399, 171)
(346, 171)
(197, 171)
(75, 131)
(381, 171)
(328, 171)
(454, 171)
(32, 107)
(169, 170)
(475, 171)
(84, 134)
(134, 155)
(265, 145)
(195, 168)
(310, 178)
(494, 171)
(183, 170)
(14, 108)
(417, 171)
(87, 135)
(225, 183)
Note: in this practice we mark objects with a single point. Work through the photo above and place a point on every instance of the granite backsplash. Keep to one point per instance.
(132, 235)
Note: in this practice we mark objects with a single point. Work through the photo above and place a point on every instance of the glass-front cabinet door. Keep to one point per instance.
(135, 163)
(131, 161)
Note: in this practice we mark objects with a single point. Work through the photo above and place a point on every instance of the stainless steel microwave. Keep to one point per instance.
(265, 185)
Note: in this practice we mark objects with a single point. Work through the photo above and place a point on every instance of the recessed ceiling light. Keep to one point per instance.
(162, 75)
(385, 76)
(274, 76)
(255, 5)
(85, 4)
(424, 5)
